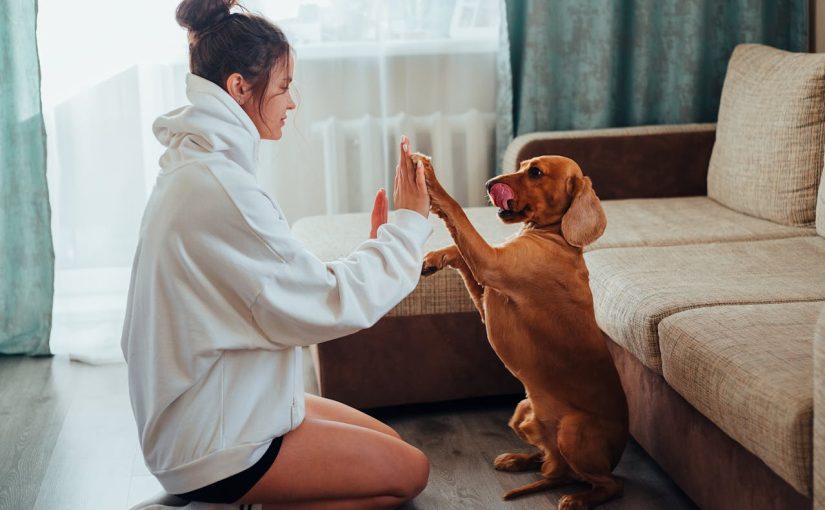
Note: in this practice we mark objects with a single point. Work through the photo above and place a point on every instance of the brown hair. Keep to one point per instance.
(222, 43)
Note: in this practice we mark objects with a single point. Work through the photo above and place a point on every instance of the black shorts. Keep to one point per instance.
(233, 488)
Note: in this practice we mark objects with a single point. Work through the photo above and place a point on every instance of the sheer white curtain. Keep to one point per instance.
(366, 71)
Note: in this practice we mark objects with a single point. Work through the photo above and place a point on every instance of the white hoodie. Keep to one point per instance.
(222, 298)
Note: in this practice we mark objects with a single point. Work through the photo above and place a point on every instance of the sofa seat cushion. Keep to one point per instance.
(683, 220)
(635, 288)
(749, 369)
(770, 135)
(335, 236)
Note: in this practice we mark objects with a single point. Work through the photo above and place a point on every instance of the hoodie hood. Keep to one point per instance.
(214, 124)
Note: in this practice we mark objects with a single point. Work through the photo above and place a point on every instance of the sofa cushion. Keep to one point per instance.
(335, 236)
(749, 370)
(770, 135)
(683, 220)
(635, 288)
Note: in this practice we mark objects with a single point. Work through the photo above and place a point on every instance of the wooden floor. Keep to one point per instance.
(68, 441)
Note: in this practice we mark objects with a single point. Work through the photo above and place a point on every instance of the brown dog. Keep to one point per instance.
(534, 297)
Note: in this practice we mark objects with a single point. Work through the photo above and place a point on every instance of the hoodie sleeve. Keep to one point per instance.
(301, 300)
(304, 301)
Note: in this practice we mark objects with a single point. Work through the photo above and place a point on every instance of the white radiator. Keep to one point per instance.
(359, 155)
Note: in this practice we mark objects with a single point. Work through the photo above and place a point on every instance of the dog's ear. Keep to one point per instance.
(584, 221)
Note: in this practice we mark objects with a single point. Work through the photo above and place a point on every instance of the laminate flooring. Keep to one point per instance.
(68, 441)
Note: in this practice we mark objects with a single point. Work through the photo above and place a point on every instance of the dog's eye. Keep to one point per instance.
(534, 172)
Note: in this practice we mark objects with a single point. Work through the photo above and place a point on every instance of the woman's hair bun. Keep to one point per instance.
(199, 15)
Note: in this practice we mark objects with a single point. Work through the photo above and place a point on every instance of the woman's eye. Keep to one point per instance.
(534, 172)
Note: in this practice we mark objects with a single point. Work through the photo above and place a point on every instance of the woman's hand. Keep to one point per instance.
(380, 210)
(410, 189)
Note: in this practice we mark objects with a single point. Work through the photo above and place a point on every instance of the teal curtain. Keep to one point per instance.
(585, 64)
(26, 251)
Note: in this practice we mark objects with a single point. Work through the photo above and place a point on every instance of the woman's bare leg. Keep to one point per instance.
(339, 466)
(326, 409)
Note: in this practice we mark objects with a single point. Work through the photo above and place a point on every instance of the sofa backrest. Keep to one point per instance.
(770, 136)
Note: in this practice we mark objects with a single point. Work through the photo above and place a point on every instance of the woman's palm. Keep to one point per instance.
(380, 210)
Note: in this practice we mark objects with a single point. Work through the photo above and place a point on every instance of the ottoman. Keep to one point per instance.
(431, 347)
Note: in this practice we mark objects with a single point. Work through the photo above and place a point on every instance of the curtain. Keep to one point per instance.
(583, 64)
(366, 71)
(26, 253)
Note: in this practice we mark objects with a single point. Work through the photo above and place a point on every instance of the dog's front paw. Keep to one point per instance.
(433, 262)
(507, 462)
(439, 198)
(515, 462)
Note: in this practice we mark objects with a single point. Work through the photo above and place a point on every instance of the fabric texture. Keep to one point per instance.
(635, 288)
(222, 298)
(585, 64)
(682, 441)
(413, 359)
(749, 370)
(819, 414)
(683, 220)
(26, 250)
(770, 137)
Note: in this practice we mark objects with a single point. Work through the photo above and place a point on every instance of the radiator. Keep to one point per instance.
(359, 155)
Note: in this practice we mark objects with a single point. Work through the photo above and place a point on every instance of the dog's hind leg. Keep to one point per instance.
(554, 472)
(587, 450)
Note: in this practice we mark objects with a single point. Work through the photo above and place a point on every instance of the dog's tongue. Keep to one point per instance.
(501, 195)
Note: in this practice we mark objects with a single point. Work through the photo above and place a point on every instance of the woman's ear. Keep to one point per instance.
(238, 88)
(584, 221)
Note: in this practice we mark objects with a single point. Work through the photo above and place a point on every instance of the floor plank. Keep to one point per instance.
(34, 400)
(476, 432)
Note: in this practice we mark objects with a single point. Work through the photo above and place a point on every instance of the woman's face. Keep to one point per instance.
(277, 101)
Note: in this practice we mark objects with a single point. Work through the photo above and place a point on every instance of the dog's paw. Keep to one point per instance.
(515, 462)
(433, 262)
(438, 195)
(572, 502)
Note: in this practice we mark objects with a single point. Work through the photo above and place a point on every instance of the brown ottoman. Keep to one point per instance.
(431, 347)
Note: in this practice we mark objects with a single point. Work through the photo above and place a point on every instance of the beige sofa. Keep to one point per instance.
(707, 283)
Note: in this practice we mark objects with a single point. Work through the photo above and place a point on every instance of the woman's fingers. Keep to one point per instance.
(405, 162)
(420, 181)
(385, 209)
(379, 212)
(395, 189)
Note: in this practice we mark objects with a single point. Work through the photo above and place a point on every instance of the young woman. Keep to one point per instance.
(222, 298)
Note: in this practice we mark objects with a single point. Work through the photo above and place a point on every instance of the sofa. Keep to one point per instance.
(708, 285)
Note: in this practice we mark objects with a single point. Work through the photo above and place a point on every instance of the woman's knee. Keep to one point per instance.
(416, 474)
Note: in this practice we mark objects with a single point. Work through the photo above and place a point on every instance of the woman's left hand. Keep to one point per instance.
(380, 210)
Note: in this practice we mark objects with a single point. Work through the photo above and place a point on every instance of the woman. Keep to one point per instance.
(222, 299)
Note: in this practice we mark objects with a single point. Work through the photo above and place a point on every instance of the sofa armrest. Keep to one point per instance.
(819, 414)
(633, 162)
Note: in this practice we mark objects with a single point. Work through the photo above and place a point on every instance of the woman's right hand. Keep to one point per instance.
(410, 188)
